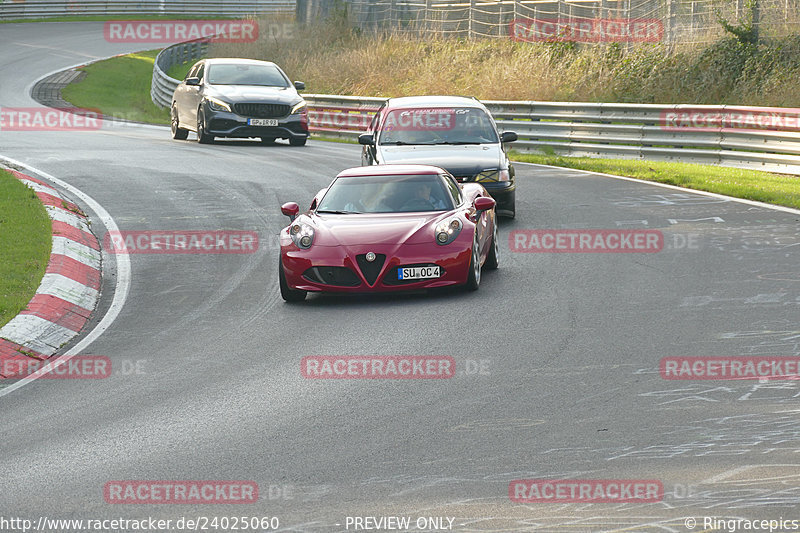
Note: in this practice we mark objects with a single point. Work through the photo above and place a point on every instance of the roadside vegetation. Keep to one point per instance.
(333, 57)
(748, 184)
(119, 87)
(25, 240)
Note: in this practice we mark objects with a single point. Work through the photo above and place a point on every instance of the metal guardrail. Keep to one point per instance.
(34, 9)
(163, 86)
(625, 131)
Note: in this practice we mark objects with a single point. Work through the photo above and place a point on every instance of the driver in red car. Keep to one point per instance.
(423, 200)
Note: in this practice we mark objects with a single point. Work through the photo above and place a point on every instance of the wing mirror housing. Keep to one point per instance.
(193, 81)
(508, 136)
(483, 203)
(291, 210)
(367, 139)
(299, 85)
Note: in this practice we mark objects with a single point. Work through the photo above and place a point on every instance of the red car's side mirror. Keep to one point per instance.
(291, 210)
(482, 203)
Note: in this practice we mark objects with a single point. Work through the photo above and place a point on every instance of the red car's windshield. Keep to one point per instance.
(386, 194)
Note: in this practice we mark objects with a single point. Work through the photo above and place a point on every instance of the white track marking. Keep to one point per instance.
(674, 188)
(121, 289)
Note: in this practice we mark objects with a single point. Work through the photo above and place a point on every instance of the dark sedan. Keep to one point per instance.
(239, 98)
(452, 132)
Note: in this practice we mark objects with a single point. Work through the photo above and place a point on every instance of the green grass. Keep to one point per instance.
(748, 184)
(119, 87)
(180, 70)
(25, 240)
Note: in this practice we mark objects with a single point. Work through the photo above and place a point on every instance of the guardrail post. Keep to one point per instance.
(470, 27)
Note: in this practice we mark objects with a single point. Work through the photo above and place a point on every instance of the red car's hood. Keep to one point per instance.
(366, 229)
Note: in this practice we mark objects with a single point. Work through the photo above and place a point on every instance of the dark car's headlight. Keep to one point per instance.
(217, 105)
(494, 175)
(447, 230)
(299, 108)
(302, 235)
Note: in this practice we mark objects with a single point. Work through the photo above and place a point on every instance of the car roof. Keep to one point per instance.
(236, 61)
(433, 101)
(391, 170)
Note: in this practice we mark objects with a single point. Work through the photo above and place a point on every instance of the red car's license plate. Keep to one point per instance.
(426, 272)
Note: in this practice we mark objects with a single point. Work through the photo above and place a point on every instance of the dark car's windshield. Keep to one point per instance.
(386, 194)
(246, 74)
(465, 125)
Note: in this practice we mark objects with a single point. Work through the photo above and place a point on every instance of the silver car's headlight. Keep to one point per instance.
(217, 105)
(447, 230)
(299, 108)
(302, 235)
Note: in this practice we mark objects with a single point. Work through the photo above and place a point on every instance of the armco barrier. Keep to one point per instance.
(625, 131)
(162, 86)
(35, 9)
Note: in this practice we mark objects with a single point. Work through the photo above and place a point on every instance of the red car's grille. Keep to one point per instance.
(328, 275)
(372, 269)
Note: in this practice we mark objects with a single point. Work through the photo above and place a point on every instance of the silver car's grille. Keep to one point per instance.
(262, 110)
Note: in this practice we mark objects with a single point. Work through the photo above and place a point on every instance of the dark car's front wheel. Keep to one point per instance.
(298, 142)
(202, 136)
(493, 259)
(287, 293)
(178, 133)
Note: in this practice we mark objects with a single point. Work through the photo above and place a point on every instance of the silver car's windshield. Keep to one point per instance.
(242, 74)
(386, 194)
(465, 125)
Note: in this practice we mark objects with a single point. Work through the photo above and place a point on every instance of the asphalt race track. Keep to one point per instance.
(557, 354)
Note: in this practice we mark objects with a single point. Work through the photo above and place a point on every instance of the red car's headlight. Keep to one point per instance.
(302, 235)
(447, 230)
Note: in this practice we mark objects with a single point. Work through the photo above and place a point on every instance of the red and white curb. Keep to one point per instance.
(69, 290)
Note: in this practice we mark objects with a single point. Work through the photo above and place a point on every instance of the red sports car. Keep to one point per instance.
(389, 228)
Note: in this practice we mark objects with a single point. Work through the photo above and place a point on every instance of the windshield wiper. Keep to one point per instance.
(338, 212)
(458, 142)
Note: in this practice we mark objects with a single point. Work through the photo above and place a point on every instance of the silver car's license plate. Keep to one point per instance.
(426, 272)
(262, 122)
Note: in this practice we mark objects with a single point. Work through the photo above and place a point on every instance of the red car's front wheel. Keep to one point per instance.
(287, 293)
(474, 274)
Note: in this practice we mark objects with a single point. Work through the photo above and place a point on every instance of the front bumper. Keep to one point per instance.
(228, 124)
(307, 269)
(504, 193)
